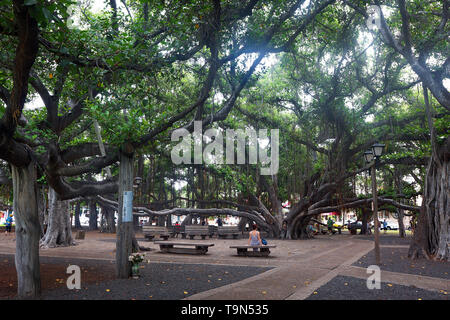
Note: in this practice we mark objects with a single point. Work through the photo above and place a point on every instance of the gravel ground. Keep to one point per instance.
(159, 281)
(396, 260)
(350, 288)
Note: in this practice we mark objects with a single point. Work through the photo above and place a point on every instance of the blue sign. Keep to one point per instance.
(127, 207)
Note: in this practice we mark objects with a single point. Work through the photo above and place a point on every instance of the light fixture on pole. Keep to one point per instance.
(369, 157)
(377, 149)
(137, 181)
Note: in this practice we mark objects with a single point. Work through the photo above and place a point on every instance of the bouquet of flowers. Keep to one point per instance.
(136, 258)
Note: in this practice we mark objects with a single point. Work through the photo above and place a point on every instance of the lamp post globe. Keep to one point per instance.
(377, 149)
(368, 156)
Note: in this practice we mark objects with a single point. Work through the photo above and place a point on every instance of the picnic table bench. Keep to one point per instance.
(225, 231)
(152, 231)
(184, 247)
(262, 252)
(197, 230)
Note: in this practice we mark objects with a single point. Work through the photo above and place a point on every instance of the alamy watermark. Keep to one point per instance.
(261, 147)
(74, 280)
(374, 280)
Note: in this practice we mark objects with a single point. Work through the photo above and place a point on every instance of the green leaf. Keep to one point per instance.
(30, 2)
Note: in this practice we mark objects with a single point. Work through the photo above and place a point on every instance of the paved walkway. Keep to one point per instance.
(299, 267)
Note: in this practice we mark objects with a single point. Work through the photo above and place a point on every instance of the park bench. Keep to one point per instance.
(212, 230)
(184, 247)
(324, 230)
(245, 252)
(225, 231)
(175, 230)
(197, 230)
(151, 232)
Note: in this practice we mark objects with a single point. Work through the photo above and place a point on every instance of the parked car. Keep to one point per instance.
(390, 225)
(354, 225)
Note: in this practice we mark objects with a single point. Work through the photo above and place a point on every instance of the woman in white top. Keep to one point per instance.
(254, 238)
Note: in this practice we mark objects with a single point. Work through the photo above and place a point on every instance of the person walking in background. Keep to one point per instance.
(254, 238)
(8, 223)
(219, 222)
(385, 225)
(330, 223)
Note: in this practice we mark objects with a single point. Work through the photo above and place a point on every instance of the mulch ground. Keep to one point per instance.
(53, 273)
(396, 260)
(350, 288)
(158, 281)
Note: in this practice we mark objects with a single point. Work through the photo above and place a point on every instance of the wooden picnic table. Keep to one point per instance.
(263, 251)
(183, 247)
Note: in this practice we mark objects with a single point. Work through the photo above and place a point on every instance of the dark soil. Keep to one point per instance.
(396, 260)
(158, 281)
(350, 288)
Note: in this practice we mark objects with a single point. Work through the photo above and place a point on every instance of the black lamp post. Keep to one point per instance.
(369, 156)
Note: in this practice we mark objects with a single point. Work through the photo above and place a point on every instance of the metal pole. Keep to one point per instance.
(375, 215)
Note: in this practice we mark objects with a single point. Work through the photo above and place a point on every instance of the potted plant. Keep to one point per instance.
(135, 259)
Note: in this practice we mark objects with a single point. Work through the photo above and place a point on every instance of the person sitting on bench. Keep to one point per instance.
(254, 238)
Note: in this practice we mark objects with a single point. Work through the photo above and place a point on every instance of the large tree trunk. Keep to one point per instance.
(59, 230)
(432, 236)
(364, 220)
(401, 225)
(399, 187)
(93, 215)
(108, 214)
(77, 215)
(125, 232)
(27, 231)
(42, 210)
